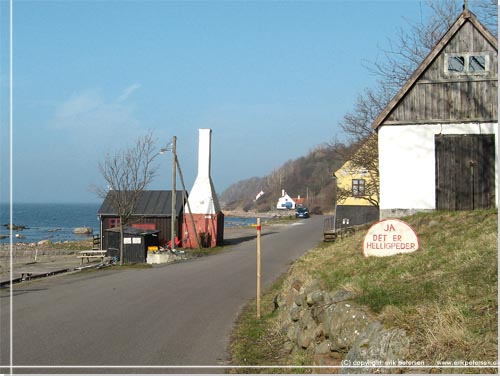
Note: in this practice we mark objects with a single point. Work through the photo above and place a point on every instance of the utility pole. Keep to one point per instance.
(174, 212)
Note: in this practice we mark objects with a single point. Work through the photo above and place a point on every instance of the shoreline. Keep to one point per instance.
(47, 242)
(77, 245)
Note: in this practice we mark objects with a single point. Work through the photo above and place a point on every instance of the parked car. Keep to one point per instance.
(302, 212)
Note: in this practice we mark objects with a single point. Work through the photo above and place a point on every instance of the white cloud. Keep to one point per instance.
(89, 111)
(127, 92)
(79, 104)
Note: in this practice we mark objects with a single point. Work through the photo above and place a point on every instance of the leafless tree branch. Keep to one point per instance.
(127, 173)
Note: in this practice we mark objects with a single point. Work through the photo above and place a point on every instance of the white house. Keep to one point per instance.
(285, 202)
(438, 136)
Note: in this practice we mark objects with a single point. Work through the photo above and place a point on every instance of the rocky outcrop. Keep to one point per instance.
(44, 242)
(336, 331)
(14, 227)
(83, 231)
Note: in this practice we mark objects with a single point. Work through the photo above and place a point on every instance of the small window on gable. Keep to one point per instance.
(456, 63)
(467, 63)
(477, 63)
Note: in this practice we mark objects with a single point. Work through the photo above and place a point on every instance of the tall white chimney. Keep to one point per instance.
(202, 198)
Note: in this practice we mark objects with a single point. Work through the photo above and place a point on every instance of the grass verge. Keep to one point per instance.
(259, 343)
(445, 295)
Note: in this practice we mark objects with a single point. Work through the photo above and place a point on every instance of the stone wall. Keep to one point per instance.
(335, 330)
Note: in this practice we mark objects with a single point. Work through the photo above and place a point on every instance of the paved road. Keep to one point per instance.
(172, 315)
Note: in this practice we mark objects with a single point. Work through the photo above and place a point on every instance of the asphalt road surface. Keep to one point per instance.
(168, 319)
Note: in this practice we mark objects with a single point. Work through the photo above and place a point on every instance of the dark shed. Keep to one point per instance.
(135, 243)
(152, 212)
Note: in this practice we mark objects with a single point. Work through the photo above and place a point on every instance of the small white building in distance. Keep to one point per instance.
(285, 202)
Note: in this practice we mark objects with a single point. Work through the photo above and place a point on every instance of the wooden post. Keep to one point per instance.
(258, 267)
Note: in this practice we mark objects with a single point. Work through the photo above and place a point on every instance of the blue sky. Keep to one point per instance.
(272, 79)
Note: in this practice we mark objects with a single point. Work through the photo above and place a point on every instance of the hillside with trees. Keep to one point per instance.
(310, 177)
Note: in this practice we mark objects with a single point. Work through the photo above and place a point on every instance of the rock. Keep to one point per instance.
(299, 299)
(297, 284)
(305, 338)
(14, 227)
(44, 242)
(306, 320)
(315, 297)
(341, 296)
(345, 323)
(319, 333)
(295, 313)
(83, 230)
(324, 347)
(378, 345)
(279, 301)
(4, 236)
(19, 236)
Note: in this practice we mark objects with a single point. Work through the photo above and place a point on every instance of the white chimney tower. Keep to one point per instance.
(202, 198)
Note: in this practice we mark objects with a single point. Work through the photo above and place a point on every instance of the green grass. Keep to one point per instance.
(444, 295)
(257, 342)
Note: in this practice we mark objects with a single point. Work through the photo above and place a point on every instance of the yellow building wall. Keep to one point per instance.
(345, 175)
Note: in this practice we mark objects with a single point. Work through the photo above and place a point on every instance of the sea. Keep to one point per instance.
(56, 222)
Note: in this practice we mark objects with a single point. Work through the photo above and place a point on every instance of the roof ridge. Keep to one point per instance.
(464, 16)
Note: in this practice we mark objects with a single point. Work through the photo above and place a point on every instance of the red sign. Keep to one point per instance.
(390, 237)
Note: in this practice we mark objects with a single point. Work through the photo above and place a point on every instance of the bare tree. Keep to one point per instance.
(364, 161)
(487, 12)
(357, 123)
(413, 42)
(127, 173)
(411, 45)
(393, 68)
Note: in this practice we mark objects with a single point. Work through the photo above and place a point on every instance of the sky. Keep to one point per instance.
(272, 79)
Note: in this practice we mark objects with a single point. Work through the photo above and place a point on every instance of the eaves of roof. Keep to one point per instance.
(465, 16)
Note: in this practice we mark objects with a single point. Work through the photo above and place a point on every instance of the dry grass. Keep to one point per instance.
(445, 295)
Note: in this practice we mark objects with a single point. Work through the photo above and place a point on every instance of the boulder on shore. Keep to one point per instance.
(11, 226)
(83, 230)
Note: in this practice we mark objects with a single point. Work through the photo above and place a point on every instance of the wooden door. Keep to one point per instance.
(465, 172)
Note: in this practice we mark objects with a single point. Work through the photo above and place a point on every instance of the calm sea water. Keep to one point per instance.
(57, 221)
(49, 221)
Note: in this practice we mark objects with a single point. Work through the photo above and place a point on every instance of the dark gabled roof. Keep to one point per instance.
(465, 16)
(150, 203)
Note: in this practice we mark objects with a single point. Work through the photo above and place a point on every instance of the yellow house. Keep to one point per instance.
(357, 179)
(358, 187)
(352, 183)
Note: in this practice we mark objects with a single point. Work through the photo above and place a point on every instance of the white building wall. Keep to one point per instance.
(202, 197)
(407, 164)
(281, 205)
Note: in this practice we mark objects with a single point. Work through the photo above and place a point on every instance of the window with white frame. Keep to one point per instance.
(467, 63)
